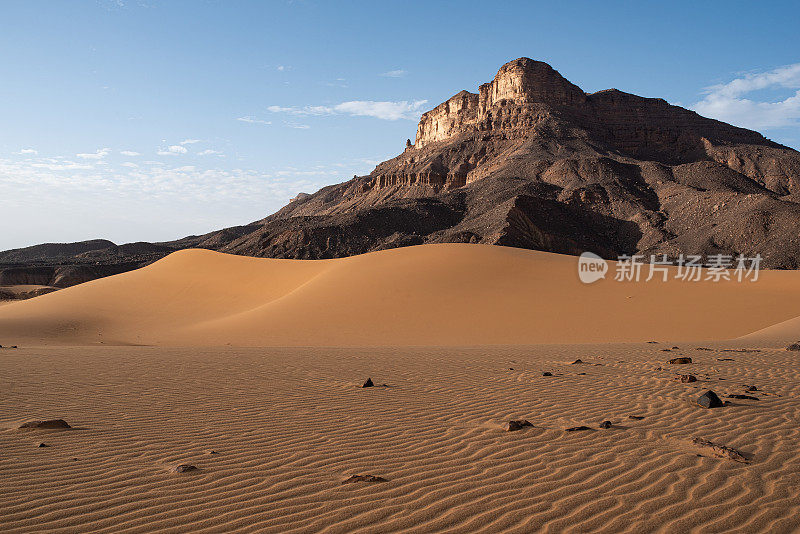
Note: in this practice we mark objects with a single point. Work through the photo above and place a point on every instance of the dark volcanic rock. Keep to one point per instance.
(363, 478)
(368, 383)
(547, 373)
(606, 424)
(709, 399)
(793, 346)
(184, 468)
(687, 378)
(517, 424)
(576, 428)
(679, 361)
(49, 424)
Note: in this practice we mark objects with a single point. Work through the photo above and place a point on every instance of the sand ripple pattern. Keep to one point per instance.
(288, 425)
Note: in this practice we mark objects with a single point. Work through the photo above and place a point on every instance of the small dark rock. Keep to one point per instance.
(725, 360)
(577, 361)
(636, 417)
(702, 348)
(547, 373)
(43, 445)
(184, 468)
(752, 388)
(368, 383)
(709, 399)
(363, 478)
(576, 428)
(51, 423)
(680, 361)
(665, 350)
(510, 368)
(676, 348)
(688, 378)
(517, 424)
(580, 374)
(743, 397)
(652, 341)
(606, 424)
(793, 346)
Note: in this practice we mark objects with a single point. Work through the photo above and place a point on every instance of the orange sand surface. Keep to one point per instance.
(430, 295)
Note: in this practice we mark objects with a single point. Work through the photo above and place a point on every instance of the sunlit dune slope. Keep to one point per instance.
(450, 294)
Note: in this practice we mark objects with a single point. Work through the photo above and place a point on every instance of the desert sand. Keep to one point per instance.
(456, 339)
(430, 295)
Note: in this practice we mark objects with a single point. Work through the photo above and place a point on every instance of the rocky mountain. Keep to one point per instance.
(533, 161)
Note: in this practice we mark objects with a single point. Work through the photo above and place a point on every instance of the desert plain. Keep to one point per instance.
(251, 370)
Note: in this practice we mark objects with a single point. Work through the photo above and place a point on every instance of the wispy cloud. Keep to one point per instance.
(28, 151)
(398, 73)
(173, 150)
(253, 120)
(728, 102)
(99, 154)
(209, 152)
(364, 108)
(129, 153)
(190, 141)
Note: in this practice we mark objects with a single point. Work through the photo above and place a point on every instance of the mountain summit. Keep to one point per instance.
(528, 161)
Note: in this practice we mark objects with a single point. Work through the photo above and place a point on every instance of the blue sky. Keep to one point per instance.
(147, 120)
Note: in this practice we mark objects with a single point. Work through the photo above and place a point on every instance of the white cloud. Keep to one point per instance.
(172, 150)
(364, 108)
(253, 120)
(129, 164)
(190, 141)
(99, 154)
(209, 152)
(728, 102)
(398, 73)
(28, 151)
(129, 153)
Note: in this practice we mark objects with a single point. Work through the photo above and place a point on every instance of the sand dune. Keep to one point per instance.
(426, 295)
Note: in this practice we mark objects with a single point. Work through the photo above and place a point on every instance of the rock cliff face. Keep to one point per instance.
(532, 161)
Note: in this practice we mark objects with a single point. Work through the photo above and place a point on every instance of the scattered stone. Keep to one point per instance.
(658, 368)
(576, 428)
(363, 478)
(725, 360)
(51, 423)
(517, 424)
(741, 350)
(579, 374)
(368, 383)
(510, 368)
(676, 348)
(13, 347)
(743, 397)
(213, 452)
(636, 417)
(794, 346)
(721, 450)
(547, 373)
(665, 350)
(702, 348)
(680, 361)
(42, 445)
(709, 399)
(606, 424)
(752, 388)
(184, 468)
(687, 378)
(652, 341)
(577, 361)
